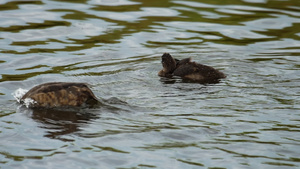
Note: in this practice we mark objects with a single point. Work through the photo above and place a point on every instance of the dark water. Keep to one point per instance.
(249, 120)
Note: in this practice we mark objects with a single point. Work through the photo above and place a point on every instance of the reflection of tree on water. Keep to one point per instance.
(60, 123)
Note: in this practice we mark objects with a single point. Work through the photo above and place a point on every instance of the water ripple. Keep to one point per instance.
(248, 120)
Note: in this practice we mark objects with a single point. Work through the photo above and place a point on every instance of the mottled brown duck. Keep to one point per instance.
(60, 95)
(187, 69)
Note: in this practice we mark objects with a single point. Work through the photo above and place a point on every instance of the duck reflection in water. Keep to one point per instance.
(62, 123)
(59, 124)
(188, 71)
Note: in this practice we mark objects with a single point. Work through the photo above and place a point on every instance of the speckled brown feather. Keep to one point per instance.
(61, 94)
(197, 71)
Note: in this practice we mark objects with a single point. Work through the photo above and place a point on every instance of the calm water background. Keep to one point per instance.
(249, 120)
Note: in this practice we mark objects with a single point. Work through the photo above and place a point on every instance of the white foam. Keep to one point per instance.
(19, 93)
(28, 102)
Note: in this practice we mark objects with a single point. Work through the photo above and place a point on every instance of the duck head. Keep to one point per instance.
(168, 63)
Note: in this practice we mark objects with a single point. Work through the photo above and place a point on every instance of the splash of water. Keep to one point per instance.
(19, 93)
(28, 102)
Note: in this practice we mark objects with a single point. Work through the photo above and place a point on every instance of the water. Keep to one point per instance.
(248, 120)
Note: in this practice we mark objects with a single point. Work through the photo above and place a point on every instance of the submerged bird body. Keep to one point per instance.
(60, 95)
(188, 70)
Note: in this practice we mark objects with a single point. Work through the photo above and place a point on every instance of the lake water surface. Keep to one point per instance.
(249, 120)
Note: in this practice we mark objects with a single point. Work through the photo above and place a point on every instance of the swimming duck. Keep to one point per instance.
(188, 70)
(60, 95)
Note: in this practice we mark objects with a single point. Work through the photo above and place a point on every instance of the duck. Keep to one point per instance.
(59, 95)
(186, 69)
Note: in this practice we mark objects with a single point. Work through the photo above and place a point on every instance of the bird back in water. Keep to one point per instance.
(60, 94)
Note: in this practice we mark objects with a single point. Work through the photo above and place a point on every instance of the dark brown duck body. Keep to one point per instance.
(189, 70)
(60, 95)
